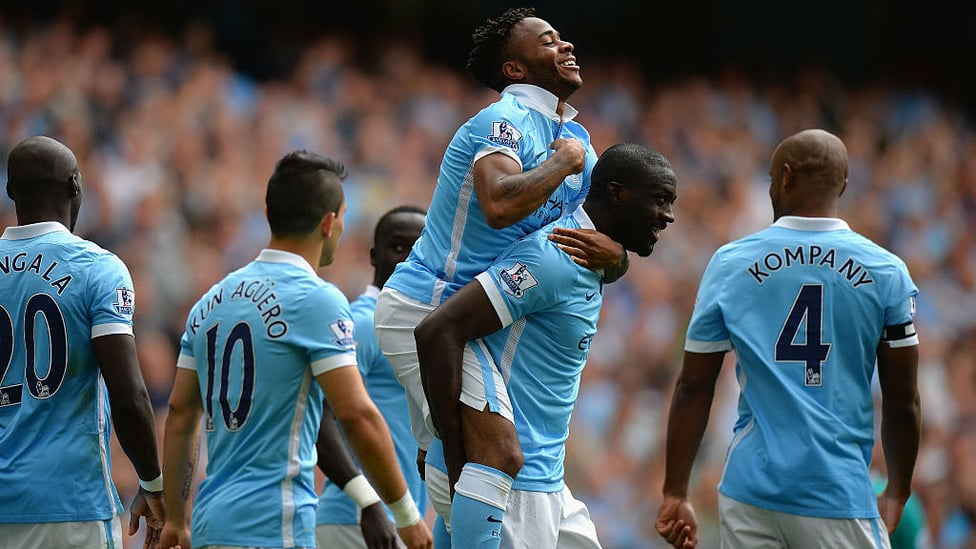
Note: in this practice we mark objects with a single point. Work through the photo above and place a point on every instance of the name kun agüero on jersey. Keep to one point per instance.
(257, 292)
(810, 255)
(18, 264)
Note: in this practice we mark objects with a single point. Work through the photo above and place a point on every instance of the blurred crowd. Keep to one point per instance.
(176, 148)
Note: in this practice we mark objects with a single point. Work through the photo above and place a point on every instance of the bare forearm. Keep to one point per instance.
(687, 420)
(135, 426)
(333, 457)
(180, 452)
(900, 434)
(514, 197)
(370, 440)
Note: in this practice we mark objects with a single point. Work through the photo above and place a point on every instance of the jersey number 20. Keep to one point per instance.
(812, 351)
(40, 388)
(233, 418)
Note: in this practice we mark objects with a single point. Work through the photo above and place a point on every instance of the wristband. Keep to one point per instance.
(405, 512)
(155, 485)
(359, 490)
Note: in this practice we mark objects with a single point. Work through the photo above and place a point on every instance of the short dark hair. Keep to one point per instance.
(491, 45)
(383, 224)
(304, 187)
(628, 164)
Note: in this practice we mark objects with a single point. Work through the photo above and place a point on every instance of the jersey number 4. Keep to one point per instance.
(812, 351)
(57, 335)
(234, 418)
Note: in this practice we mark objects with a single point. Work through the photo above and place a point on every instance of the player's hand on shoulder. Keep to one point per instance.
(676, 522)
(149, 505)
(589, 248)
(572, 152)
(417, 536)
(378, 531)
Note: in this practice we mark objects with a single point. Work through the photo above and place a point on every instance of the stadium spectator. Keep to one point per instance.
(261, 409)
(808, 305)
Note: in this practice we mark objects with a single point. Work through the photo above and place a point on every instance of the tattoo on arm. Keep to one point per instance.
(515, 185)
(191, 467)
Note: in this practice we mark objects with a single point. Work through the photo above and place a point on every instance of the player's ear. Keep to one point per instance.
(328, 222)
(75, 181)
(372, 257)
(10, 193)
(618, 193)
(512, 70)
(843, 188)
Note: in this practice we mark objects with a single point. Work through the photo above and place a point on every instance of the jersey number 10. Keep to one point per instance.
(233, 418)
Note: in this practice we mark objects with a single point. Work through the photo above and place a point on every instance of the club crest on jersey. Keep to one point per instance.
(505, 134)
(342, 329)
(517, 280)
(124, 301)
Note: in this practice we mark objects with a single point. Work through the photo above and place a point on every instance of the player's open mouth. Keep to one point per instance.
(569, 63)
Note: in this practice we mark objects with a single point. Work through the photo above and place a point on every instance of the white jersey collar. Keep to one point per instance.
(541, 100)
(20, 232)
(811, 223)
(271, 255)
(583, 218)
(371, 291)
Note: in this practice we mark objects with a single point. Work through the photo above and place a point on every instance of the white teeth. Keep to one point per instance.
(569, 63)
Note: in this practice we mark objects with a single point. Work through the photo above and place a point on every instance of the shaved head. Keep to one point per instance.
(816, 157)
(44, 181)
(808, 173)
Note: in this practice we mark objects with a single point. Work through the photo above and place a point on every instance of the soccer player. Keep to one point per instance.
(517, 165)
(549, 307)
(337, 519)
(67, 361)
(254, 346)
(809, 306)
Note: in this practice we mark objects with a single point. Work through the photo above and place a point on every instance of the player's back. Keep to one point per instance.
(457, 243)
(57, 292)
(805, 303)
(253, 339)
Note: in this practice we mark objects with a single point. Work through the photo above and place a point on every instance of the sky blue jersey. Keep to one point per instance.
(805, 304)
(457, 243)
(549, 307)
(256, 340)
(335, 507)
(57, 293)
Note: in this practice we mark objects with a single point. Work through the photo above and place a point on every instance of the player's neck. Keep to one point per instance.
(308, 248)
(29, 216)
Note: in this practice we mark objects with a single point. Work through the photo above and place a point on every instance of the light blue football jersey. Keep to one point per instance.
(803, 303)
(256, 340)
(335, 507)
(457, 243)
(58, 293)
(549, 307)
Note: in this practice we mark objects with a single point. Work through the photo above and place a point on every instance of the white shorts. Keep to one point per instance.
(439, 493)
(748, 527)
(94, 534)
(482, 384)
(535, 520)
(339, 536)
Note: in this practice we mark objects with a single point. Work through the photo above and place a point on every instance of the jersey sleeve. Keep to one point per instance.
(707, 331)
(525, 279)
(325, 329)
(899, 324)
(497, 130)
(186, 359)
(367, 349)
(112, 297)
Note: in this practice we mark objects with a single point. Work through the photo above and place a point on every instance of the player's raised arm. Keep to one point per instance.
(508, 195)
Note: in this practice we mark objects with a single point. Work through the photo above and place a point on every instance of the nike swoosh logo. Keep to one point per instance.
(491, 518)
(590, 296)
